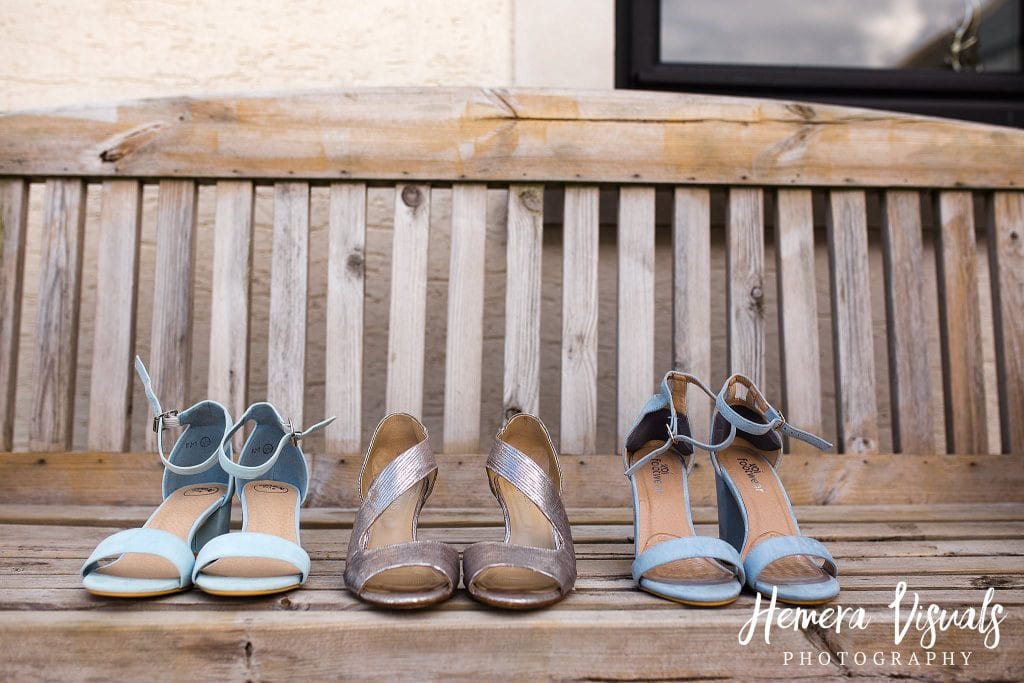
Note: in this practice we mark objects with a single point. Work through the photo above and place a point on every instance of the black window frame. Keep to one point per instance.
(995, 98)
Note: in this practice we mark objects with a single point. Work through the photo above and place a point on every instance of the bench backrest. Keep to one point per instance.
(772, 167)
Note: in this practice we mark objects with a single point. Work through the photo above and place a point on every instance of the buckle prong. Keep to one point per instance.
(162, 416)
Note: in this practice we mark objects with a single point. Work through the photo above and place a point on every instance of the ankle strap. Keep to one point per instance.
(162, 420)
(775, 419)
(291, 435)
(665, 400)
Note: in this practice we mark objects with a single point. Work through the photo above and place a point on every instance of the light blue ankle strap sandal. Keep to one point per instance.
(672, 561)
(158, 558)
(754, 512)
(265, 556)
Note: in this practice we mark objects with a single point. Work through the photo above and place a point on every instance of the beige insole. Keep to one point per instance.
(177, 515)
(663, 516)
(768, 512)
(397, 524)
(527, 524)
(269, 509)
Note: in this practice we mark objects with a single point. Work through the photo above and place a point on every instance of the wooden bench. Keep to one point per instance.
(926, 358)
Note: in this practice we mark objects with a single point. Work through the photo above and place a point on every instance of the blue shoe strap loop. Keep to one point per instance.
(687, 548)
(775, 419)
(778, 547)
(664, 400)
(291, 436)
(163, 419)
(250, 544)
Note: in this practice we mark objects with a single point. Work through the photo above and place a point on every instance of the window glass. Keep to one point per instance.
(882, 34)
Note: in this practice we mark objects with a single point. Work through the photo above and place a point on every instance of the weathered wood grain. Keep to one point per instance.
(635, 339)
(522, 299)
(1006, 266)
(590, 480)
(13, 221)
(464, 343)
(910, 377)
(228, 375)
(960, 325)
(225, 645)
(407, 328)
(289, 280)
(856, 408)
(170, 358)
(798, 313)
(346, 273)
(744, 263)
(691, 293)
(579, 319)
(117, 269)
(511, 135)
(57, 314)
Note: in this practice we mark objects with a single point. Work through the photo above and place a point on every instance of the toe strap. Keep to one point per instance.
(559, 564)
(145, 542)
(251, 544)
(366, 563)
(778, 547)
(688, 548)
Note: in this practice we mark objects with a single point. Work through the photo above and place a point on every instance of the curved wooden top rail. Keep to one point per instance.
(503, 135)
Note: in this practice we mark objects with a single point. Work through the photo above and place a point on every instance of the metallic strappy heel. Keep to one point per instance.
(536, 565)
(386, 564)
(754, 512)
(672, 561)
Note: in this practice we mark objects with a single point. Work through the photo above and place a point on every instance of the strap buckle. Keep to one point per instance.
(158, 425)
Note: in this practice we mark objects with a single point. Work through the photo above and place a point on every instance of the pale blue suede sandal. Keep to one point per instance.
(158, 558)
(754, 512)
(265, 556)
(672, 561)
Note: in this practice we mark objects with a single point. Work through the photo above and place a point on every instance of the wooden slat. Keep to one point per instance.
(407, 329)
(856, 408)
(1006, 265)
(170, 358)
(798, 312)
(522, 299)
(745, 288)
(636, 303)
(960, 325)
(464, 344)
(277, 644)
(228, 376)
(117, 268)
(13, 219)
(289, 277)
(590, 480)
(60, 286)
(579, 320)
(691, 294)
(910, 383)
(346, 267)
(508, 135)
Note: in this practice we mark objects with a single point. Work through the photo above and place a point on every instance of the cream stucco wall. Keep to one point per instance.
(63, 52)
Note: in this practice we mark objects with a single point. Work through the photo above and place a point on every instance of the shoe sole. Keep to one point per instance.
(690, 603)
(104, 594)
(249, 594)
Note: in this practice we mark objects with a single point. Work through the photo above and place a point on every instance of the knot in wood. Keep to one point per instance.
(756, 293)
(531, 200)
(411, 196)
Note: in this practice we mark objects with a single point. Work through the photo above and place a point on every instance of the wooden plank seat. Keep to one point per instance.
(866, 268)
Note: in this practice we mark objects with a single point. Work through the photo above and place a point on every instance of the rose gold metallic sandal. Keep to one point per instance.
(387, 565)
(535, 566)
